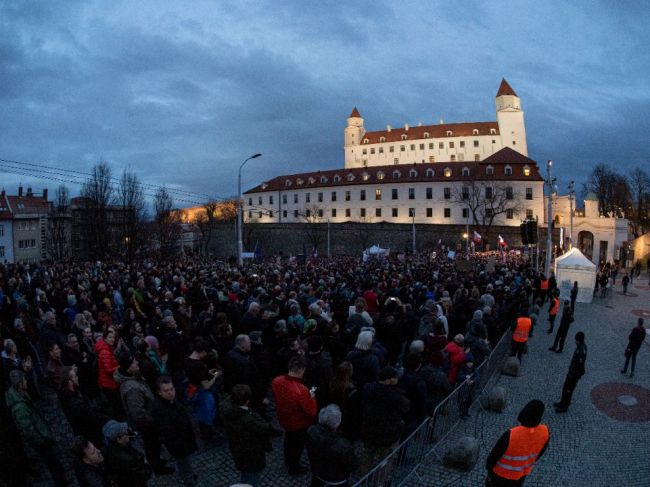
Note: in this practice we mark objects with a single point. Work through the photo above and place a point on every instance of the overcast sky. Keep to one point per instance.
(183, 92)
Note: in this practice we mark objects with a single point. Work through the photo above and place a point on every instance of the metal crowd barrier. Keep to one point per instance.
(402, 463)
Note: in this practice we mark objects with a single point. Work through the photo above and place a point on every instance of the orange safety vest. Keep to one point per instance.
(524, 447)
(522, 330)
(543, 284)
(554, 307)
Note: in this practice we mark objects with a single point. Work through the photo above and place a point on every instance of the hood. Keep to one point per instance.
(531, 414)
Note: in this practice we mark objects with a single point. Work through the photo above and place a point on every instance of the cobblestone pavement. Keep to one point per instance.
(587, 447)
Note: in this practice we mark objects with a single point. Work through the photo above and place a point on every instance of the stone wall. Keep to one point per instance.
(348, 238)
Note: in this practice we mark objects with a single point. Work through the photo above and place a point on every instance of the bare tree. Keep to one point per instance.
(485, 201)
(611, 189)
(98, 193)
(60, 225)
(313, 215)
(639, 183)
(167, 222)
(130, 198)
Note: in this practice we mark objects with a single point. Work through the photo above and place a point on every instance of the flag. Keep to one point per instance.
(257, 251)
(502, 243)
(477, 237)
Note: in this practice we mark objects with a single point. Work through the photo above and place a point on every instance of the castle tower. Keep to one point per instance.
(353, 134)
(510, 118)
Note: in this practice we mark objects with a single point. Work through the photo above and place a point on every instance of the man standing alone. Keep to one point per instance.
(576, 371)
(563, 329)
(634, 344)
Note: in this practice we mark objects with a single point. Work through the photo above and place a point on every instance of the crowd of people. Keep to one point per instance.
(196, 354)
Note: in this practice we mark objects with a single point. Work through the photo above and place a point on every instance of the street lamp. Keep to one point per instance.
(549, 237)
(572, 194)
(240, 243)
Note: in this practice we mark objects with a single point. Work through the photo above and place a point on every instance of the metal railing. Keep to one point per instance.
(401, 464)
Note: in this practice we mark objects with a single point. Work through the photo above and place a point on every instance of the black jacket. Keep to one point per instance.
(91, 476)
(174, 428)
(125, 465)
(577, 365)
(365, 366)
(239, 368)
(384, 407)
(636, 338)
(332, 458)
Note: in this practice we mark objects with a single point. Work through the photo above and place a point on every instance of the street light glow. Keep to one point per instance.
(465, 235)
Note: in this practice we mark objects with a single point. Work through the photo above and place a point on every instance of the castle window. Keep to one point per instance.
(402, 148)
(447, 212)
(476, 143)
(510, 213)
(365, 176)
(429, 193)
(465, 212)
(396, 160)
(429, 212)
(493, 132)
(451, 145)
(397, 174)
(529, 213)
(295, 198)
(475, 132)
(447, 193)
(391, 148)
(430, 172)
(466, 171)
(461, 157)
(270, 214)
(307, 197)
(333, 212)
(362, 212)
(337, 178)
(323, 179)
(378, 194)
(449, 133)
(365, 141)
(382, 139)
(381, 150)
(311, 180)
(489, 170)
(411, 193)
(404, 136)
(372, 150)
(270, 199)
(514, 142)
(350, 177)
(488, 193)
(430, 145)
(413, 173)
(308, 213)
(441, 145)
(508, 170)
(347, 196)
(465, 193)
(320, 213)
(287, 183)
(362, 195)
(412, 146)
(529, 193)
(284, 199)
(526, 171)
(394, 193)
(250, 201)
(426, 135)
(378, 212)
(295, 213)
(432, 158)
(347, 212)
(452, 158)
(447, 172)
(509, 194)
(380, 175)
(365, 151)
(320, 197)
(333, 195)
(259, 200)
(421, 146)
(395, 212)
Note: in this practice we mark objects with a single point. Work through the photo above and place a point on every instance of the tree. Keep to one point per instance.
(313, 215)
(639, 183)
(611, 190)
(60, 225)
(98, 192)
(486, 200)
(130, 198)
(167, 222)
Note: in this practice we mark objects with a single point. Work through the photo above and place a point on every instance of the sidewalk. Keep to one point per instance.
(587, 447)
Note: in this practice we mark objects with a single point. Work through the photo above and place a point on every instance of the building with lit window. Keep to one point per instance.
(439, 174)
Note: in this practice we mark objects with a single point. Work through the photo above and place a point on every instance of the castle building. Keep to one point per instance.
(453, 142)
(438, 174)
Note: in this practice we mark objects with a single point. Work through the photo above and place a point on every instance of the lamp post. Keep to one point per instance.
(240, 218)
(467, 233)
(549, 237)
(572, 193)
(413, 225)
(328, 238)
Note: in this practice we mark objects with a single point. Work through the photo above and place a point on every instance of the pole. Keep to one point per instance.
(467, 233)
(328, 239)
(240, 217)
(549, 236)
(413, 215)
(571, 196)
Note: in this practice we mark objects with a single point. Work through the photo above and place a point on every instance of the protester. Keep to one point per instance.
(563, 329)
(576, 371)
(89, 464)
(125, 465)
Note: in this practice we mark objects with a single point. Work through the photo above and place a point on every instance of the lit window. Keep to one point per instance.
(526, 171)
(365, 176)
(529, 213)
(378, 194)
(380, 175)
(447, 172)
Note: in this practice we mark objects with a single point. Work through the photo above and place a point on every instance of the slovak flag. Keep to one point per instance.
(502, 243)
(477, 237)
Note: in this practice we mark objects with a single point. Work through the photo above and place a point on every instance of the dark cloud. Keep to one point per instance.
(183, 95)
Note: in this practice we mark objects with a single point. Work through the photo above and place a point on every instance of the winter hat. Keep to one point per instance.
(152, 341)
(388, 373)
(112, 430)
(364, 341)
(478, 314)
(531, 414)
(255, 335)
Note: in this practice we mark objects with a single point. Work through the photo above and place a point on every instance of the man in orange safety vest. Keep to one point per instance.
(520, 335)
(513, 457)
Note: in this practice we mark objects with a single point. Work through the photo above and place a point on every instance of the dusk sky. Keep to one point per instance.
(183, 92)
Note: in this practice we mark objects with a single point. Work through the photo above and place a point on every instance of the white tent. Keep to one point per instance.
(573, 266)
(375, 251)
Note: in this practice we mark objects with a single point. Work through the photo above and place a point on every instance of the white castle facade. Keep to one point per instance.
(438, 174)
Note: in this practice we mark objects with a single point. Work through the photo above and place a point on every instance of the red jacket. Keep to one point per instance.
(107, 364)
(295, 407)
(371, 300)
(456, 356)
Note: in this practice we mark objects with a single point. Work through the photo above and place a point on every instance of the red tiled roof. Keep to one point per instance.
(434, 131)
(505, 89)
(499, 161)
(355, 113)
(28, 204)
(5, 211)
